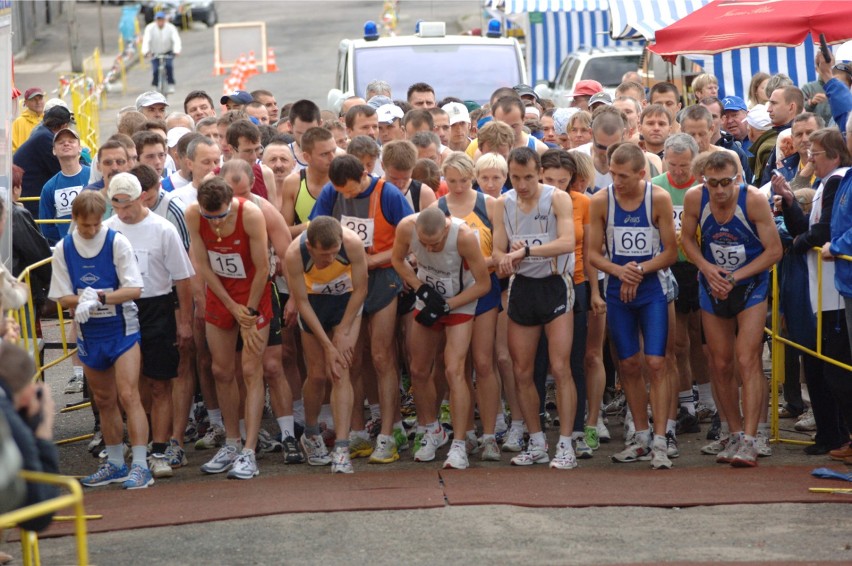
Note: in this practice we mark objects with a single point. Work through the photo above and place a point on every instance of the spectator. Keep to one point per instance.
(28, 244)
(162, 38)
(24, 124)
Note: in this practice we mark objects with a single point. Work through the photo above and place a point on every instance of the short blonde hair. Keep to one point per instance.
(461, 162)
(585, 176)
(702, 81)
(491, 161)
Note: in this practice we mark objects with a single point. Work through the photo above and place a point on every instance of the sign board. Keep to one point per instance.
(233, 41)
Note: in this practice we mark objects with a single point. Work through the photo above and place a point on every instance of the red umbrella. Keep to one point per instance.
(723, 25)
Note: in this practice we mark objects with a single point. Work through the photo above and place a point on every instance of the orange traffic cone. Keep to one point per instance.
(252, 64)
(271, 65)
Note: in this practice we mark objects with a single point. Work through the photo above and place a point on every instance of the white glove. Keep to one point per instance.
(88, 294)
(84, 310)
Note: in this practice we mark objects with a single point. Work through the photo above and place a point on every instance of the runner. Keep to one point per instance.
(451, 275)
(739, 243)
(327, 268)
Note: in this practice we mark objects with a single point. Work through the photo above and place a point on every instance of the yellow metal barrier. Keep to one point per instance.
(29, 539)
(779, 344)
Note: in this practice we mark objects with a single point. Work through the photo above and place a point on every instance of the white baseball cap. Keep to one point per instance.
(457, 112)
(388, 113)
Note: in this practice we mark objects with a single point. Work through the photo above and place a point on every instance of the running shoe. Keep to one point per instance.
(245, 466)
(490, 450)
(139, 478)
(514, 440)
(633, 453)
(603, 433)
(715, 430)
(292, 453)
(429, 445)
(806, 422)
(401, 439)
(445, 418)
(590, 433)
(672, 450)
(222, 461)
(687, 423)
(359, 447)
(329, 435)
(340, 461)
(190, 433)
(159, 466)
(266, 444)
(74, 385)
(764, 450)
(472, 443)
(456, 458)
(617, 404)
(385, 451)
(564, 458)
(659, 458)
(96, 444)
(582, 450)
(374, 427)
(501, 429)
(550, 397)
(418, 439)
(532, 455)
(107, 473)
(213, 438)
(407, 407)
(175, 455)
(746, 456)
(703, 412)
(730, 450)
(315, 450)
(716, 446)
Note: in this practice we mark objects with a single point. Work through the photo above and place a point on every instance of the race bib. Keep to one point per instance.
(678, 216)
(533, 240)
(142, 261)
(340, 285)
(438, 281)
(632, 242)
(729, 258)
(227, 265)
(364, 227)
(64, 198)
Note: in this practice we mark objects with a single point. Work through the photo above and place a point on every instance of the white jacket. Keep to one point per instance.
(158, 40)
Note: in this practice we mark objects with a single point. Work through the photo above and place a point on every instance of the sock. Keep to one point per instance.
(470, 434)
(434, 427)
(565, 441)
(375, 412)
(518, 424)
(705, 395)
(362, 434)
(537, 438)
(325, 416)
(763, 429)
(488, 437)
(575, 435)
(242, 428)
(299, 412)
(686, 401)
(78, 371)
(159, 448)
(235, 442)
(643, 437)
(215, 416)
(460, 444)
(286, 424)
(341, 444)
(312, 430)
(115, 454)
(140, 454)
(747, 438)
(500, 421)
(550, 379)
(724, 430)
(671, 426)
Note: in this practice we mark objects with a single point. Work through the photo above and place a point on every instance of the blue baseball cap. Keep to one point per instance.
(733, 103)
(159, 15)
(238, 96)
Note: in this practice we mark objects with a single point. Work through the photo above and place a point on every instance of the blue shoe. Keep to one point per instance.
(139, 478)
(107, 473)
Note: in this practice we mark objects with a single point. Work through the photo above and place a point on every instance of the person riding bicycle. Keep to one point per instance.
(161, 39)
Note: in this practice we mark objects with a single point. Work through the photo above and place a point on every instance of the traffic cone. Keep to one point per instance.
(242, 71)
(271, 65)
(252, 65)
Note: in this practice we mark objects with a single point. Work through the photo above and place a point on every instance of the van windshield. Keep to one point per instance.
(609, 70)
(469, 72)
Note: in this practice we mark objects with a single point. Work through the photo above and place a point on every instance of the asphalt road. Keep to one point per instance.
(305, 36)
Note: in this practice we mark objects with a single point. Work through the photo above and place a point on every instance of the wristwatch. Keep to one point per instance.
(526, 251)
(640, 268)
(731, 279)
(253, 312)
(102, 297)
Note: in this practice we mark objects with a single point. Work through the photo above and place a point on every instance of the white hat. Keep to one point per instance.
(532, 110)
(758, 118)
(388, 113)
(54, 102)
(560, 119)
(174, 135)
(457, 112)
(124, 184)
(150, 98)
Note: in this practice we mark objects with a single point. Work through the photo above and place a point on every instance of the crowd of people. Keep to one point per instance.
(381, 275)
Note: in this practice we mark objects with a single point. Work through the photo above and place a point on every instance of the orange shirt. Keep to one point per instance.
(581, 218)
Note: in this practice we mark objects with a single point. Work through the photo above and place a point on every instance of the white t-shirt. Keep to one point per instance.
(159, 253)
(178, 181)
(123, 258)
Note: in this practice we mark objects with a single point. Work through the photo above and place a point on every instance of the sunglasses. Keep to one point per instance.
(845, 67)
(724, 182)
(216, 216)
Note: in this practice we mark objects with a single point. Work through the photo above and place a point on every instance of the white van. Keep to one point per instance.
(467, 67)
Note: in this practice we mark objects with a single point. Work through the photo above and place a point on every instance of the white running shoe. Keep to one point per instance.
(245, 466)
(429, 445)
(456, 459)
(159, 466)
(514, 440)
(764, 450)
(716, 446)
(532, 455)
(315, 450)
(213, 438)
(222, 461)
(564, 458)
(603, 431)
(490, 450)
(340, 461)
(582, 450)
